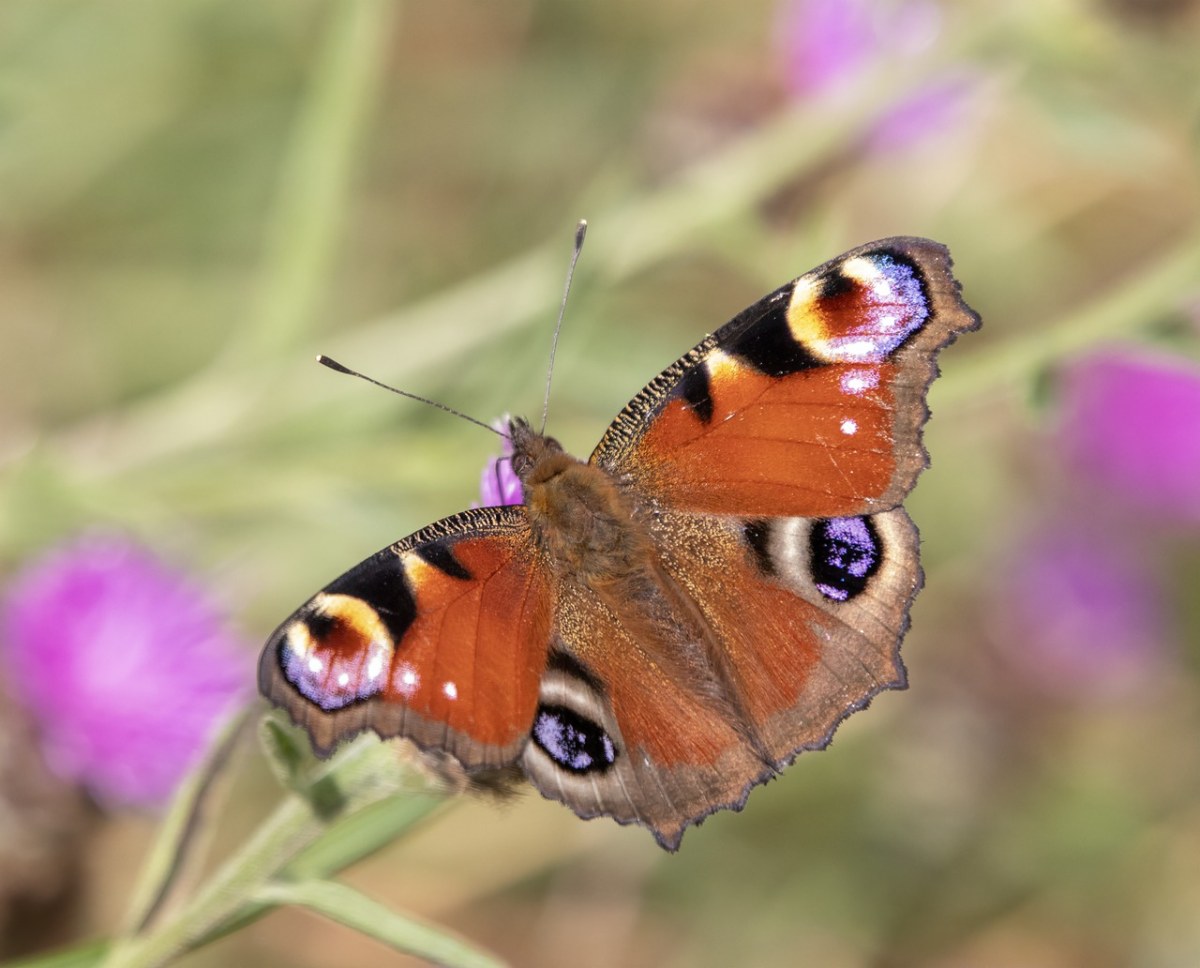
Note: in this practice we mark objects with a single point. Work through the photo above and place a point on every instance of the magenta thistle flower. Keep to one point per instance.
(124, 663)
(499, 483)
(1130, 425)
(827, 44)
(1080, 614)
(938, 106)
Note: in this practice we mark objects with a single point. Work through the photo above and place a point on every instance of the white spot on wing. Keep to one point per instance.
(856, 382)
(450, 690)
(864, 271)
(407, 681)
(849, 427)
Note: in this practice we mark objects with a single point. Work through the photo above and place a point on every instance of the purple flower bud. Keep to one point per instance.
(499, 484)
(1130, 425)
(125, 664)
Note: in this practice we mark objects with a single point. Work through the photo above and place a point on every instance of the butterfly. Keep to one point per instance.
(654, 632)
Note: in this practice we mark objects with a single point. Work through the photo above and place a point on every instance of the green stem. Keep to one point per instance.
(291, 828)
(363, 774)
(314, 185)
(175, 843)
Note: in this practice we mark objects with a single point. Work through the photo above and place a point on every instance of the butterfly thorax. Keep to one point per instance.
(581, 521)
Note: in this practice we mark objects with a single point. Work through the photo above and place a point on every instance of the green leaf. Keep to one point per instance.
(402, 932)
(362, 833)
(348, 841)
(287, 752)
(363, 771)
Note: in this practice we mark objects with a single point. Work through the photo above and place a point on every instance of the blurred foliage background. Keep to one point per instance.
(199, 196)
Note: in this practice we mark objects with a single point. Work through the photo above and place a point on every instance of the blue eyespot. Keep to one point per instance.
(573, 742)
(844, 555)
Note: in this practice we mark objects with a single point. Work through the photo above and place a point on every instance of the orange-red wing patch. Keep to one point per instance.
(441, 638)
(819, 442)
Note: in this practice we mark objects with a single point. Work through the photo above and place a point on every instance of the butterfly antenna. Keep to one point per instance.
(335, 365)
(580, 232)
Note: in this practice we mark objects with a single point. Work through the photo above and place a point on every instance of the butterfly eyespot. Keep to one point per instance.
(891, 303)
(337, 654)
(844, 554)
(574, 742)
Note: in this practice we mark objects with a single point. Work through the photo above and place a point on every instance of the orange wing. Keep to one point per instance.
(440, 638)
(809, 403)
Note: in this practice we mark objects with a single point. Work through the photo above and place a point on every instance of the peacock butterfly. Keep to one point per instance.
(654, 632)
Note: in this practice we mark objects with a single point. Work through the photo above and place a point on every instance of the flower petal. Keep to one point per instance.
(124, 662)
(1130, 423)
(1079, 613)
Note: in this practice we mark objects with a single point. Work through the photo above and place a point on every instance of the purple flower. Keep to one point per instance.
(499, 484)
(124, 663)
(827, 44)
(1079, 613)
(939, 105)
(1130, 425)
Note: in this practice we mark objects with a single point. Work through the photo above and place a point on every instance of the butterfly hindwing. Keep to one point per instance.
(780, 629)
(829, 599)
(633, 723)
(810, 402)
(440, 638)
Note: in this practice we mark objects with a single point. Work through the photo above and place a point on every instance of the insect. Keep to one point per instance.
(655, 631)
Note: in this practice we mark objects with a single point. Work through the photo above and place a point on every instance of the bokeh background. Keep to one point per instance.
(199, 196)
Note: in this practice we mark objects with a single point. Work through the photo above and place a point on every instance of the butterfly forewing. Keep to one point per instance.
(440, 638)
(808, 403)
